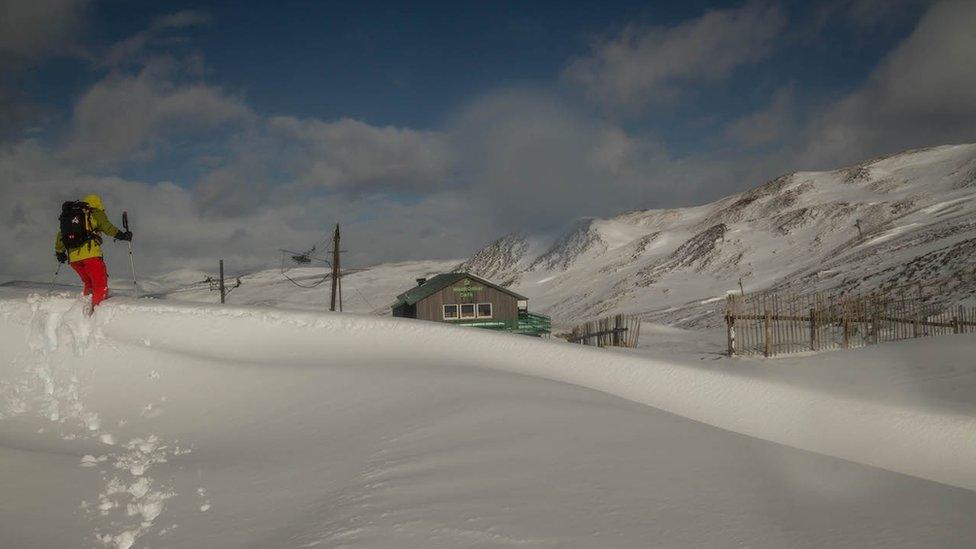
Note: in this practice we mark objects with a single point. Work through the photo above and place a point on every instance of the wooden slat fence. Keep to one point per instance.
(771, 324)
(613, 331)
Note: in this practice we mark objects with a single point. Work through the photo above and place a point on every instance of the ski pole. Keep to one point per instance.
(125, 225)
(54, 278)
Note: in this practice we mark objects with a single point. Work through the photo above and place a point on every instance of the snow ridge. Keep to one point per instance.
(920, 442)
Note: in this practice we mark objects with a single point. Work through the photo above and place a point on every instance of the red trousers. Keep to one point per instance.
(95, 276)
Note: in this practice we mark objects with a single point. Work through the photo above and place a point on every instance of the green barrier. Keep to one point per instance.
(527, 324)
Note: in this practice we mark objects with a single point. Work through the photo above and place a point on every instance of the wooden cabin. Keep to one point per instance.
(469, 300)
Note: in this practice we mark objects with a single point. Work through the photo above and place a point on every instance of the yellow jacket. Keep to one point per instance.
(97, 223)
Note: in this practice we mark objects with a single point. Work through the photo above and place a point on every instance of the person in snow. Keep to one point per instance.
(85, 253)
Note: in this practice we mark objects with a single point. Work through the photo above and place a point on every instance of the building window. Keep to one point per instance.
(484, 310)
(450, 312)
(467, 310)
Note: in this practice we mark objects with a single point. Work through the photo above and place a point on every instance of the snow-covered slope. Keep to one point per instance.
(176, 425)
(917, 212)
(368, 291)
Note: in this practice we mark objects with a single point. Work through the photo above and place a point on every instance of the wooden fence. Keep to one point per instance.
(613, 331)
(772, 324)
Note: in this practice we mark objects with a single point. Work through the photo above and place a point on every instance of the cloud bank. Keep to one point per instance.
(517, 158)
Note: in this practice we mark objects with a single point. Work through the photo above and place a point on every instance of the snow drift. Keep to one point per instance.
(181, 425)
(935, 446)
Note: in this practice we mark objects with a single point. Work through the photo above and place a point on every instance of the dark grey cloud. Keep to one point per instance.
(33, 29)
(923, 93)
(868, 15)
(769, 124)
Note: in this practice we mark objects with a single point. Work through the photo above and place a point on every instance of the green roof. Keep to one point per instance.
(441, 281)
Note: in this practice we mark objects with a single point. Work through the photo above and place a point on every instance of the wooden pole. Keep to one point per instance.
(768, 335)
(874, 320)
(335, 268)
(730, 322)
(223, 292)
(813, 329)
(915, 318)
(845, 307)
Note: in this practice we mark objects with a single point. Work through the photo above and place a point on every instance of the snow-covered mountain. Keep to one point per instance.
(902, 220)
(798, 232)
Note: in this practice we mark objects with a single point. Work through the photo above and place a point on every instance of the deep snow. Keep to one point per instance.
(176, 425)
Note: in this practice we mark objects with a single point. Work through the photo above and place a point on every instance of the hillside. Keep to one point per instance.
(798, 232)
(367, 291)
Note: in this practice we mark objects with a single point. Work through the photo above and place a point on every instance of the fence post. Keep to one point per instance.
(957, 322)
(874, 321)
(847, 331)
(768, 351)
(813, 329)
(223, 292)
(730, 322)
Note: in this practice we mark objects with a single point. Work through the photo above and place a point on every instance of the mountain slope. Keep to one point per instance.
(906, 219)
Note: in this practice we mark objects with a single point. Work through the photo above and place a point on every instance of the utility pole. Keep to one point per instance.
(336, 273)
(223, 292)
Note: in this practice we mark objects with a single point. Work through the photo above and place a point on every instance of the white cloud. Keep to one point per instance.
(351, 154)
(132, 48)
(124, 116)
(173, 231)
(644, 65)
(532, 162)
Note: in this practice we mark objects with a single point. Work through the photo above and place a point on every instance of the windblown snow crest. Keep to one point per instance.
(927, 443)
(346, 430)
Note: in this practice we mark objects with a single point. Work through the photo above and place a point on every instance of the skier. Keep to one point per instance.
(80, 243)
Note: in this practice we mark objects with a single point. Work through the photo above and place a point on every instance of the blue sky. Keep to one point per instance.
(390, 63)
(397, 117)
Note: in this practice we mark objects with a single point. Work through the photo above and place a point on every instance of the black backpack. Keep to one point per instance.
(75, 224)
